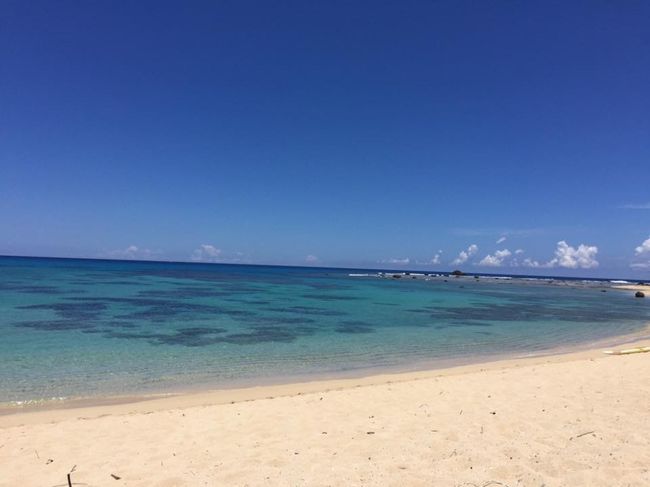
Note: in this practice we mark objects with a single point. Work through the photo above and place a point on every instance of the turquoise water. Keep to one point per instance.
(75, 328)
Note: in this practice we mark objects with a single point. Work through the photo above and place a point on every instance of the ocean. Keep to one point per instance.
(73, 328)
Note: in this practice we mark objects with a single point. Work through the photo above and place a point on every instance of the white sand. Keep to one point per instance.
(634, 287)
(572, 420)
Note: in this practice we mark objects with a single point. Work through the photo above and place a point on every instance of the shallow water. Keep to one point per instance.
(76, 328)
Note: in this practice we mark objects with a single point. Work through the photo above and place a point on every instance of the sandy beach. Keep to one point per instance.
(633, 287)
(566, 420)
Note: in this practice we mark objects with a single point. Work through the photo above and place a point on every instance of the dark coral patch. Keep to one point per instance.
(280, 320)
(70, 311)
(253, 302)
(54, 325)
(192, 337)
(161, 311)
(331, 297)
(261, 334)
(189, 337)
(354, 327)
(309, 310)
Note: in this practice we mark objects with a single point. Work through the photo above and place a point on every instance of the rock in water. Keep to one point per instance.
(639, 294)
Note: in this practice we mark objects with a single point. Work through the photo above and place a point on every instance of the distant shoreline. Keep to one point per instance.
(338, 269)
(634, 287)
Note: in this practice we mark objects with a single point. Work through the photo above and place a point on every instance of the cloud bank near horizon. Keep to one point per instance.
(565, 256)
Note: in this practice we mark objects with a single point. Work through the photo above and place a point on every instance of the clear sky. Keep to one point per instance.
(356, 133)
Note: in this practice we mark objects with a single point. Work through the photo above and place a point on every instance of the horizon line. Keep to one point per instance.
(152, 261)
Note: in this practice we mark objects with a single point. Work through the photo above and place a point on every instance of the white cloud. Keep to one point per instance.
(531, 263)
(643, 248)
(311, 259)
(206, 253)
(584, 257)
(636, 206)
(435, 260)
(464, 255)
(496, 259)
(515, 262)
(405, 260)
(501, 240)
(132, 252)
(461, 259)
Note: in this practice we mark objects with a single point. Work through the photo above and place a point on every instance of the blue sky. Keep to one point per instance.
(371, 134)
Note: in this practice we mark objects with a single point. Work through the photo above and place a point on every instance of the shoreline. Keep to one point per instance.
(56, 410)
(632, 287)
(561, 420)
